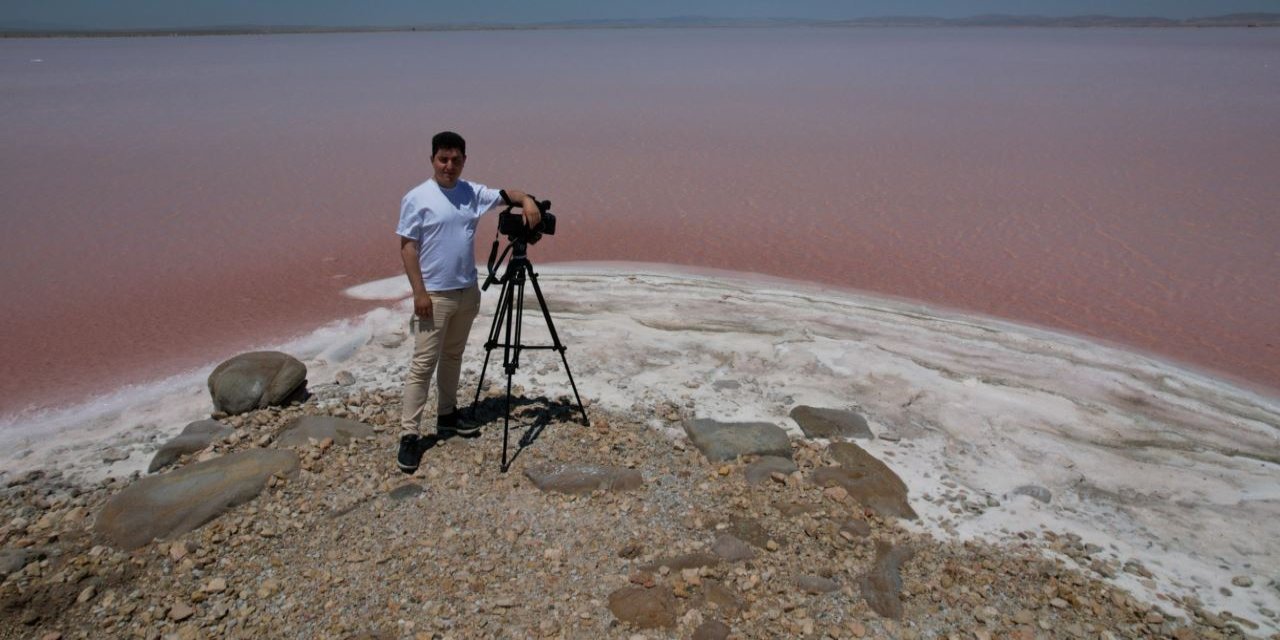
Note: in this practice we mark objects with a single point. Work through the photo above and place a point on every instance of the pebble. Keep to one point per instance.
(87, 594)
(1243, 582)
(180, 612)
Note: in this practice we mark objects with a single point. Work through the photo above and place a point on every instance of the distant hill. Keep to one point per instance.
(28, 29)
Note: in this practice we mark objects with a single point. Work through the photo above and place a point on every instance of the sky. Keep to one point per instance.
(125, 14)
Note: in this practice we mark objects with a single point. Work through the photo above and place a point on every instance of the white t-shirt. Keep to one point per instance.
(443, 222)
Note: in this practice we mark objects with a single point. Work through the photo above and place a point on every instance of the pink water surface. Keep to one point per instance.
(170, 201)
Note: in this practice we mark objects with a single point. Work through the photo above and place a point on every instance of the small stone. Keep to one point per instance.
(344, 378)
(987, 614)
(1058, 603)
(816, 585)
(771, 545)
(114, 455)
(858, 629)
(1243, 582)
(180, 612)
(1024, 616)
(711, 630)
(86, 595)
(731, 549)
(631, 550)
(644, 608)
(1154, 618)
(52, 635)
(216, 585)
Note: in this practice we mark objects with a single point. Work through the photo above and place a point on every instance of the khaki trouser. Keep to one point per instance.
(439, 339)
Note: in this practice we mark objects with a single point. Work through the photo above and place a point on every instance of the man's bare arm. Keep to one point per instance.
(532, 215)
(413, 268)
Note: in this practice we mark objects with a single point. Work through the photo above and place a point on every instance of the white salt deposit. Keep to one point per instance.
(1150, 461)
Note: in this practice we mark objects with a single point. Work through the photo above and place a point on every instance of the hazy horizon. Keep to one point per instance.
(142, 14)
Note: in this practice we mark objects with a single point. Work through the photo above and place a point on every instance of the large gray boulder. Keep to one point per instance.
(582, 478)
(720, 441)
(306, 428)
(257, 380)
(170, 504)
(195, 437)
(816, 422)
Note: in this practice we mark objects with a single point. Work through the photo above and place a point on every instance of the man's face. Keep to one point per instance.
(448, 167)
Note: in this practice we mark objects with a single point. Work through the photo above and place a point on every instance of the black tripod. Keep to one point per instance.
(508, 320)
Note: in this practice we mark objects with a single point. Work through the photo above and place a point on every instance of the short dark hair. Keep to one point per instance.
(448, 140)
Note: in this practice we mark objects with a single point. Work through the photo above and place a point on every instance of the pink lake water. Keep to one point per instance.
(168, 202)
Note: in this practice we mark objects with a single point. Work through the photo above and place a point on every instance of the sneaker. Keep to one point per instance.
(454, 424)
(410, 453)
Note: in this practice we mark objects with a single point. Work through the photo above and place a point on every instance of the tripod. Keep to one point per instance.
(508, 320)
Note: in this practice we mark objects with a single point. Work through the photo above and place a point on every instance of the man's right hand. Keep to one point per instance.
(422, 305)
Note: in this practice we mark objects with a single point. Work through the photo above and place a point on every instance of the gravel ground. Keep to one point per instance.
(352, 548)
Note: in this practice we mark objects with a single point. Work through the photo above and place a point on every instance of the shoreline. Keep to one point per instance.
(1134, 451)
(383, 291)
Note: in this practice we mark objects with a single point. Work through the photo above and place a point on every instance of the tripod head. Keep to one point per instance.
(519, 237)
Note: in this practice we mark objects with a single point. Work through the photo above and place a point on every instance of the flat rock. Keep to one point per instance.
(582, 478)
(750, 530)
(731, 549)
(711, 630)
(644, 608)
(257, 380)
(686, 561)
(816, 585)
(13, 560)
(302, 430)
(405, 491)
(173, 503)
(790, 509)
(856, 527)
(194, 437)
(724, 598)
(817, 422)
(1034, 491)
(868, 480)
(720, 441)
(759, 471)
(882, 585)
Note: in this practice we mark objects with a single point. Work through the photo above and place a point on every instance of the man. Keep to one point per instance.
(437, 245)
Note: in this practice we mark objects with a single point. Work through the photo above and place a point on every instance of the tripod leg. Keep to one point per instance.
(495, 330)
(508, 365)
(555, 340)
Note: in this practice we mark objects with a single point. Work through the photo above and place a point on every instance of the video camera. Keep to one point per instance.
(512, 225)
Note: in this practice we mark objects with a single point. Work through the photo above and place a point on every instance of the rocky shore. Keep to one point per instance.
(612, 530)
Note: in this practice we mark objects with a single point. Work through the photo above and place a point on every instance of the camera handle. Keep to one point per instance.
(494, 258)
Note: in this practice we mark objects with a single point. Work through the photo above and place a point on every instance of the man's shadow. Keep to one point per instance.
(533, 414)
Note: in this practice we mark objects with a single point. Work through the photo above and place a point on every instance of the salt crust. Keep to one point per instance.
(1147, 459)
